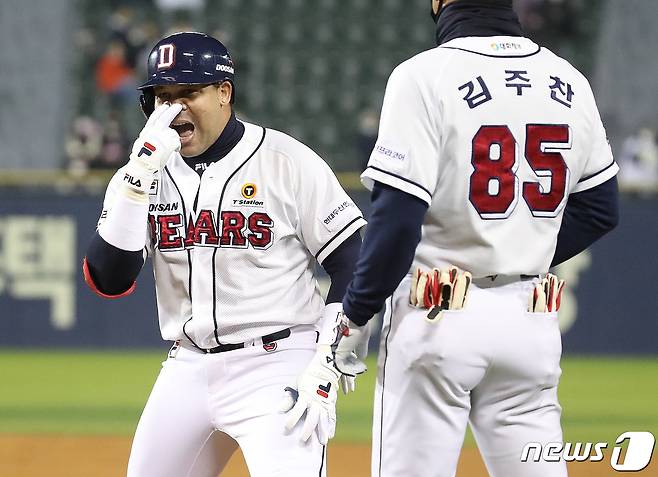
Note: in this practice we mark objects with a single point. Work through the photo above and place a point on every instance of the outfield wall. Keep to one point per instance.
(612, 305)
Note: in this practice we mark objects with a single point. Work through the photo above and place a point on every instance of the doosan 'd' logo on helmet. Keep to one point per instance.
(225, 68)
(166, 56)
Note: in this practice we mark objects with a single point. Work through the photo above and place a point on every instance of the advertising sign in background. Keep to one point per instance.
(610, 305)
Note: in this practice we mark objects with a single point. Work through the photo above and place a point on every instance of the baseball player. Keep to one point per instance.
(491, 165)
(234, 217)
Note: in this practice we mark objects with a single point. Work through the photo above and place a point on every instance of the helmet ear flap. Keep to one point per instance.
(147, 101)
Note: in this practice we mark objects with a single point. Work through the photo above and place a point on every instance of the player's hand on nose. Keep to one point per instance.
(313, 400)
(158, 133)
(153, 148)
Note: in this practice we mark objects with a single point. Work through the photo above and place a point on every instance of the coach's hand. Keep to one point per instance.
(152, 149)
(314, 400)
(350, 353)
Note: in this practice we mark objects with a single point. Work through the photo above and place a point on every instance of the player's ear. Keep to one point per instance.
(224, 92)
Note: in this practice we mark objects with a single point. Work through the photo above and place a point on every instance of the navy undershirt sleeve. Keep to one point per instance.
(112, 269)
(588, 216)
(340, 264)
(387, 252)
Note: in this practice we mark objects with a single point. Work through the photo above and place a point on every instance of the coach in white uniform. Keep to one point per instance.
(491, 157)
(234, 217)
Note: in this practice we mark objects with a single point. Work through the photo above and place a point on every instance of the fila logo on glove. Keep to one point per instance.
(324, 390)
(147, 149)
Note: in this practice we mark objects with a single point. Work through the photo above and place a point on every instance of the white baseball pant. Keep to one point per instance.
(492, 364)
(203, 406)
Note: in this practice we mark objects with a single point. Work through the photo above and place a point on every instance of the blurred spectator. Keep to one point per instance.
(124, 27)
(83, 145)
(114, 76)
(115, 145)
(639, 161)
(186, 12)
(92, 146)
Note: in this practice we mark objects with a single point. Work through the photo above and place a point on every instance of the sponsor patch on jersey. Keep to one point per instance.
(249, 190)
(331, 216)
(389, 156)
(153, 190)
(506, 46)
(248, 203)
(172, 206)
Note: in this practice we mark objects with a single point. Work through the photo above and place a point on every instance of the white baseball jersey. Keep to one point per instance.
(234, 250)
(493, 133)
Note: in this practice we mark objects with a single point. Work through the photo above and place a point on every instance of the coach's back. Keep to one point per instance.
(501, 132)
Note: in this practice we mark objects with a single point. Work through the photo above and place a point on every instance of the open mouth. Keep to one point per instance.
(185, 130)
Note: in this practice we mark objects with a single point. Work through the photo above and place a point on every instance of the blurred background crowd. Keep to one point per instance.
(317, 70)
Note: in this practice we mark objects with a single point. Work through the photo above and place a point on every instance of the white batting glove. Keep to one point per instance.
(314, 399)
(333, 326)
(152, 149)
(350, 353)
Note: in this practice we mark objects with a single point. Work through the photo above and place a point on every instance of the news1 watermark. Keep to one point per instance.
(639, 450)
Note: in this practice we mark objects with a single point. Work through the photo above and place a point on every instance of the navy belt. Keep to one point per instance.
(500, 280)
(272, 337)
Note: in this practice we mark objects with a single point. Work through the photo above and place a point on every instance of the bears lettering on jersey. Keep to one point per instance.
(205, 232)
(169, 231)
(168, 227)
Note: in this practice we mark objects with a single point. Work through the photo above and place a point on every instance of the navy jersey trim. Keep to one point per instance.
(492, 56)
(381, 410)
(401, 178)
(337, 235)
(189, 337)
(219, 215)
(324, 448)
(583, 179)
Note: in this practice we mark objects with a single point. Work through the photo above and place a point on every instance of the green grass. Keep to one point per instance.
(103, 393)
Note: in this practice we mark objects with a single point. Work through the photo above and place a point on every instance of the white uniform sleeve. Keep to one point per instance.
(406, 155)
(600, 165)
(327, 216)
(108, 204)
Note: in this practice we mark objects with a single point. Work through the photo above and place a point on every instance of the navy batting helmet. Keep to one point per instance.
(186, 58)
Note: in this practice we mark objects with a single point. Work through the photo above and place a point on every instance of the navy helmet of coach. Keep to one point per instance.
(186, 58)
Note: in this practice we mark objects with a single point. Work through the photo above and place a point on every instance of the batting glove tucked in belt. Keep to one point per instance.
(314, 398)
(152, 149)
(546, 295)
(439, 290)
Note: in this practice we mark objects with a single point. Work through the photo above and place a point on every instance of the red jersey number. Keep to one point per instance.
(494, 184)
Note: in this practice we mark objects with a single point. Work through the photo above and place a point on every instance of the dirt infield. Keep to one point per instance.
(65, 456)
